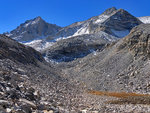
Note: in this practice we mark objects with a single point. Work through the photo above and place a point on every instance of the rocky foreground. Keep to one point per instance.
(26, 90)
(31, 85)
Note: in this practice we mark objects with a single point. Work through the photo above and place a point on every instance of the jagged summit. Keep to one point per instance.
(120, 23)
(107, 21)
(109, 11)
(38, 17)
(33, 29)
(123, 11)
(39, 34)
(36, 20)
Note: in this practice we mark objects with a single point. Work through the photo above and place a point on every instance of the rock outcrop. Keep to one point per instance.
(138, 41)
(77, 47)
(15, 51)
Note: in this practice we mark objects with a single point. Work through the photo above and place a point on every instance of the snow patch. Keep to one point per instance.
(81, 31)
(107, 36)
(17, 37)
(94, 53)
(62, 38)
(33, 42)
(120, 34)
(101, 19)
(145, 19)
(9, 34)
(23, 32)
(32, 22)
(39, 44)
(27, 24)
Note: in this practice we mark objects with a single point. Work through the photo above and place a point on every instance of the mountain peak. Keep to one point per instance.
(38, 18)
(122, 11)
(36, 28)
(33, 21)
(109, 11)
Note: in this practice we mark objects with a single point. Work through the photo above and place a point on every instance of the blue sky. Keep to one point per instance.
(63, 12)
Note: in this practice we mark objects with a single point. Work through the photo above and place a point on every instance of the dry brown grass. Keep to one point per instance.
(124, 97)
(116, 94)
(132, 100)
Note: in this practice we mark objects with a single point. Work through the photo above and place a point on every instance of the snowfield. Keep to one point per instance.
(145, 19)
(120, 33)
(101, 19)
